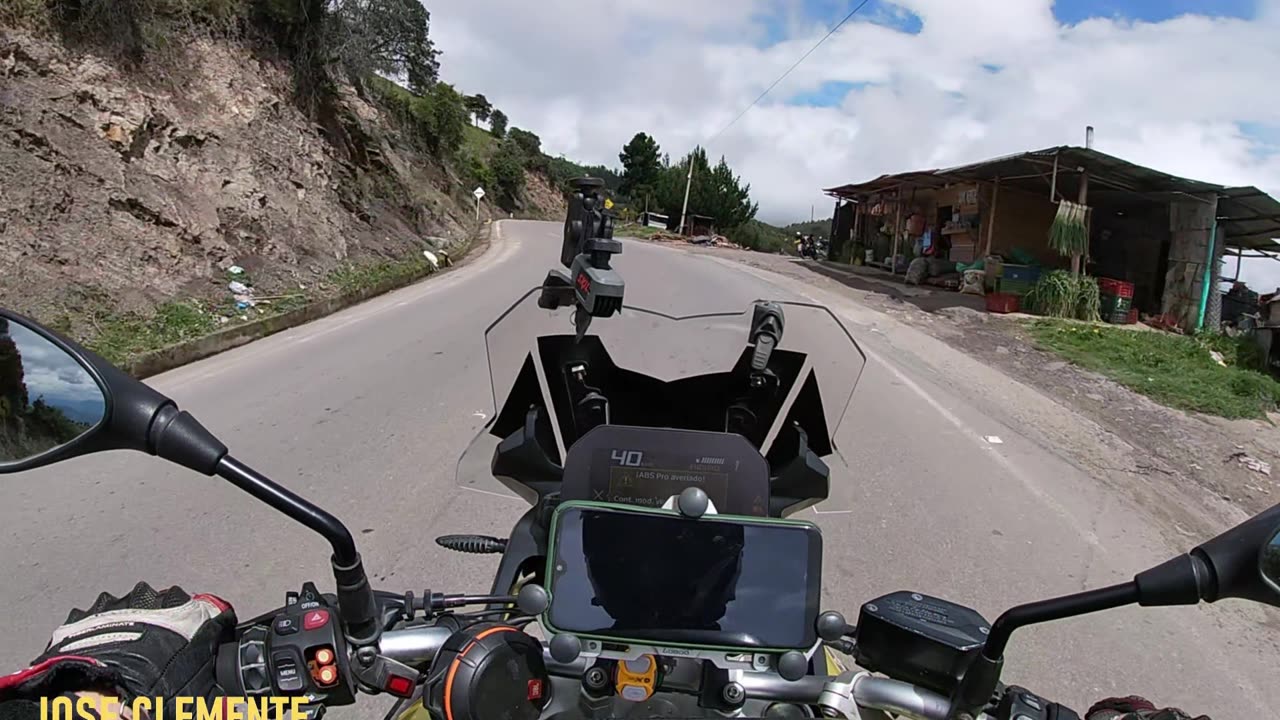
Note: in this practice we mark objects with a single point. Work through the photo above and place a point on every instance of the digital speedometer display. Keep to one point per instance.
(640, 477)
(646, 466)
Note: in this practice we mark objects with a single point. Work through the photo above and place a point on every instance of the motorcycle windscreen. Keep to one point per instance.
(656, 370)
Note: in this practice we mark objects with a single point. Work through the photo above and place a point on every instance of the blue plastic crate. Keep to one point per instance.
(1020, 273)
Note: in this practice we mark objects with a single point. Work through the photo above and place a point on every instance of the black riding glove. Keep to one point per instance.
(1135, 707)
(145, 644)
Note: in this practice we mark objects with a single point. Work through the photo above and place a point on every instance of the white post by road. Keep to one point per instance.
(478, 193)
(684, 209)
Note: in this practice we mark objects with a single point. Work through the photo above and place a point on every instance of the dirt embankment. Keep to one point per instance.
(124, 190)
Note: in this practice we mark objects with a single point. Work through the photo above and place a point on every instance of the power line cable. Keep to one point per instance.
(784, 75)
(689, 178)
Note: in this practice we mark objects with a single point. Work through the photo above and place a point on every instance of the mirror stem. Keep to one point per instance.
(1055, 609)
(291, 504)
(356, 602)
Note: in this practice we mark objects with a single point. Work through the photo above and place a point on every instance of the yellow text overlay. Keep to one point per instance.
(182, 708)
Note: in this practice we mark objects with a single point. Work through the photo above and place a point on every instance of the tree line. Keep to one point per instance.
(650, 180)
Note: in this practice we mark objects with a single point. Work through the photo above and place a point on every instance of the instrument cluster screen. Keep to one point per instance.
(646, 466)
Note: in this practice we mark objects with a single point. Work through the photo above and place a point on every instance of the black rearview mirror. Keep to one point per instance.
(50, 400)
(59, 400)
(1269, 561)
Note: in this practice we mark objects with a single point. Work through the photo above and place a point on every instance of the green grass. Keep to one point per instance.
(29, 14)
(358, 278)
(479, 144)
(763, 237)
(124, 336)
(1174, 370)
(637, 231)
(754, 234)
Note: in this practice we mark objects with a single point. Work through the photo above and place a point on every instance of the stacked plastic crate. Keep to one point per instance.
(1012, 282)
(1116, 301)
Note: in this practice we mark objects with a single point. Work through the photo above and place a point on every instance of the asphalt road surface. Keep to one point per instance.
(366, 412)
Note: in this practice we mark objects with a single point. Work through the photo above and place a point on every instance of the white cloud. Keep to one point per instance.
(585, 78)
(50, 373)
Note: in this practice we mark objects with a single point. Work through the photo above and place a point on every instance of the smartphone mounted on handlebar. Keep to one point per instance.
(626, 574)
(591, 284)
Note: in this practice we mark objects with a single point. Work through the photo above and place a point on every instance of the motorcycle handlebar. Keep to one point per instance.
(418, 646)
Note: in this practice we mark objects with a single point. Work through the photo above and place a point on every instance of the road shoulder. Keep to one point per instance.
(1172, 464)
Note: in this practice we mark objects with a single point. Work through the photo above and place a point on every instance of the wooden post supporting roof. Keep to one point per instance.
(991, 217)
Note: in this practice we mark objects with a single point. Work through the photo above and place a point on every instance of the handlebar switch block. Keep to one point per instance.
(919, 639)
(1021, 704)
(306, 651)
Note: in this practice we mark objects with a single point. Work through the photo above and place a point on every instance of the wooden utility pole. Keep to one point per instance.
(688, 182)
(1077, 266)
(1053, 184)
(991, 217)
(897, 230)
(1082, 199)
(856, 236)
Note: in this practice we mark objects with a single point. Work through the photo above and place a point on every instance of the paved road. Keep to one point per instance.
(366, 411)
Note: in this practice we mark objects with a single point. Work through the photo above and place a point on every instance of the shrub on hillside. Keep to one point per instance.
(437, 120)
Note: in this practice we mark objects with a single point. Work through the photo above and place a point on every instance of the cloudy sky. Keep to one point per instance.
(1185, 86)
(50, 373)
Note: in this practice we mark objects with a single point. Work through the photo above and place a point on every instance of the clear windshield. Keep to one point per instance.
(663, 347)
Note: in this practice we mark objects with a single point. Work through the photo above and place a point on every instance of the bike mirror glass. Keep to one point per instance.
(1269, 560)
(49, 399)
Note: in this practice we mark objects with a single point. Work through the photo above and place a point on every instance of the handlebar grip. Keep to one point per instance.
(227, 669)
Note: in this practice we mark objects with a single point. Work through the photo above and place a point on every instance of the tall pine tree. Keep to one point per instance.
(640, 166)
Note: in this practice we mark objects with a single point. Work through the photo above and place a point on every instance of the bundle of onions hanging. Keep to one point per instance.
(1069, 233)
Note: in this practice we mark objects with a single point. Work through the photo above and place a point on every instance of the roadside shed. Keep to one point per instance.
(695, 225)
(1145, 227)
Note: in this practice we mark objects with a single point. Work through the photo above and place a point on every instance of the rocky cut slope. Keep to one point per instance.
(120, 192)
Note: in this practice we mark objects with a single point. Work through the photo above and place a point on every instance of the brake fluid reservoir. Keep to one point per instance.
(637, 679)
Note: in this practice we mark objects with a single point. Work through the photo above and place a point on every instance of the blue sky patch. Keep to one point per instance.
(829, 12)
(775, 27)
(830, 94)
(1265, 136)
(1074, 11)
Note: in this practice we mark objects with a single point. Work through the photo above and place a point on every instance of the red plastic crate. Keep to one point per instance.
(1119, 288)
(1002, 303)
(1133, 316)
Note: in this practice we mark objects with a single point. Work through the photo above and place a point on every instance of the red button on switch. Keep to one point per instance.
(314, 619)
(399, 685)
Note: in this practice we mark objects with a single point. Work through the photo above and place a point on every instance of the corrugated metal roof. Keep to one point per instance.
(1251, 217)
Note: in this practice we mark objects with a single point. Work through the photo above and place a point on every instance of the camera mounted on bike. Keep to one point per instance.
(591, 285)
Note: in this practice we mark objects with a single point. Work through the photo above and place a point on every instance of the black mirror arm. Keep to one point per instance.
(1057, 608)
(178, 437)
(356, 601)
(141, 418)
(981, 677)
